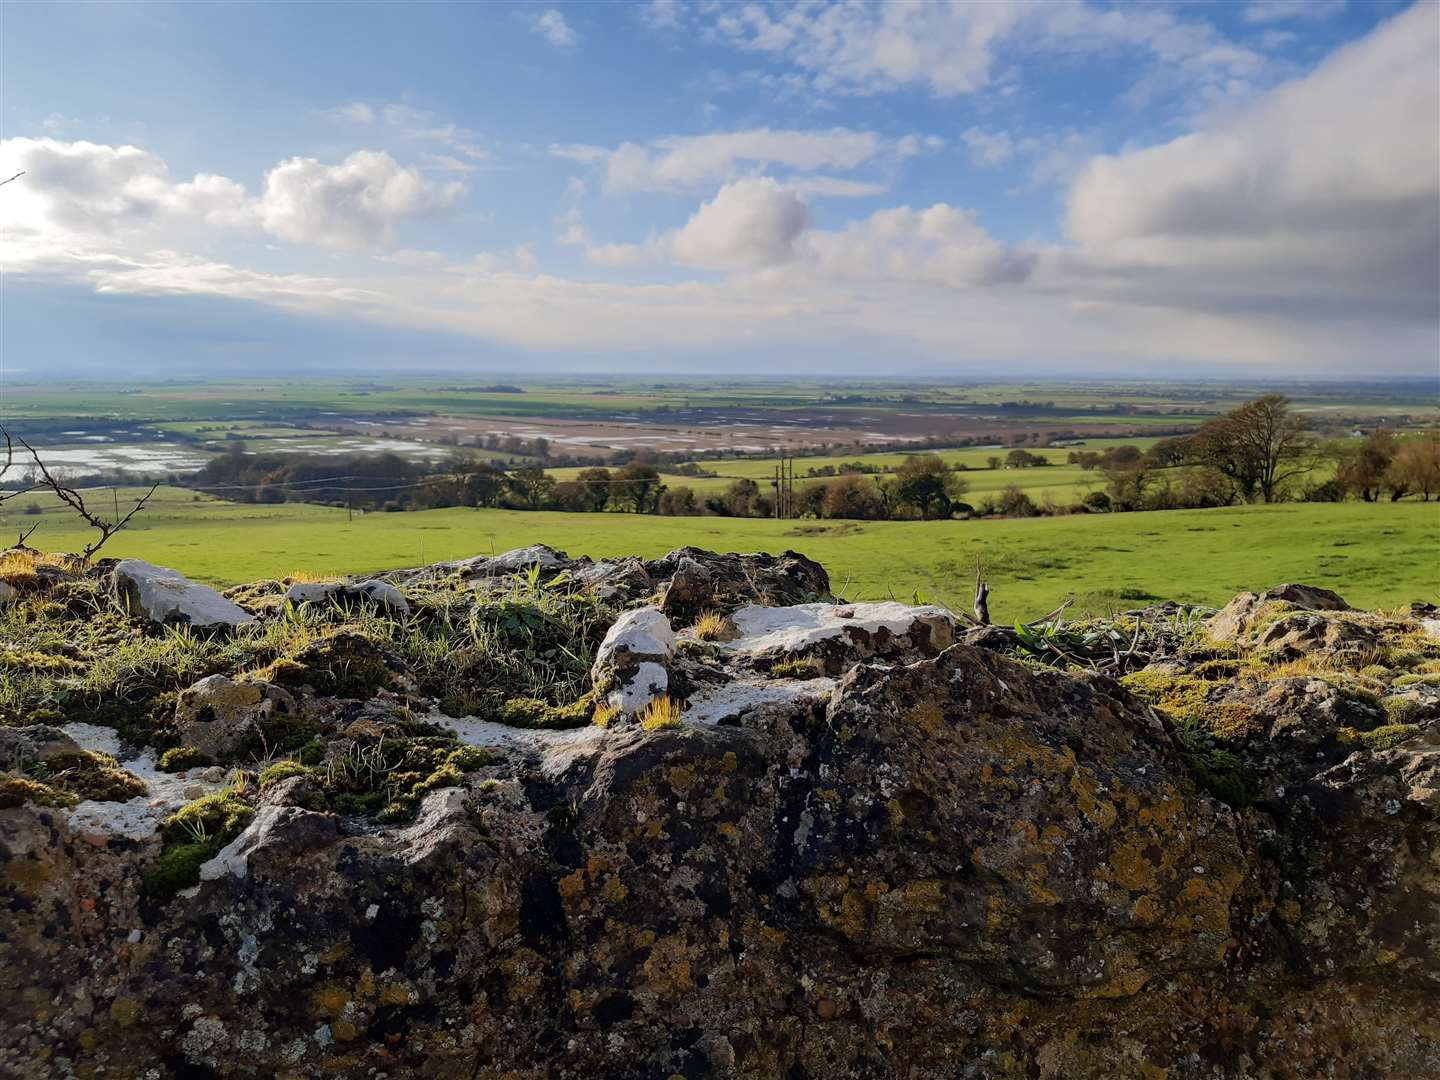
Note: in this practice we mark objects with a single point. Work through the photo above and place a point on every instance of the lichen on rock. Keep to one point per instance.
(824, 839)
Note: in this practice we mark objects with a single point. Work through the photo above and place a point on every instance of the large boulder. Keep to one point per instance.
(222, 718)
(167, 596)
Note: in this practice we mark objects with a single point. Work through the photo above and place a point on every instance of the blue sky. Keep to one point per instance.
(998, 188)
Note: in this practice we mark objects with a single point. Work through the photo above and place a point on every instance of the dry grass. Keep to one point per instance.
(713, 626)
(604, 714)
(312, 577)
(20, 567)
(663, 712)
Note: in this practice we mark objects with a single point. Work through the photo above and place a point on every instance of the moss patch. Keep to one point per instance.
(1380, 738)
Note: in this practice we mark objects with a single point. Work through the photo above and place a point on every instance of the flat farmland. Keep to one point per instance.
(1373, 554)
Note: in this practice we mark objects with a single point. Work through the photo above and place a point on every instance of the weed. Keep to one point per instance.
(662, 712)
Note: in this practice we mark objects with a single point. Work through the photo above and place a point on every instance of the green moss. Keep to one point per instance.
(283, 770)
(1380, 738)
(527, 712)
(180, 758)
(11, 660)
(178, 867)
(192, 835)
(18, 790)
(1216, 770)
(87, 775)
(1181, 697)
(1431, 678)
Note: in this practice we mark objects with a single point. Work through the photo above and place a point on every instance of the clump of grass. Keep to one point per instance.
(713, 626)
(604, 714)
(662, 712)
(805, 667)
(1421, 678)
(1402, 710)
(80, 774)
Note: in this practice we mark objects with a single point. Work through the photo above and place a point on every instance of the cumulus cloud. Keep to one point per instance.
(350, 205)
(79, 190)
(551, 25)
(939, 245)
(1323, 195)
(749, 223)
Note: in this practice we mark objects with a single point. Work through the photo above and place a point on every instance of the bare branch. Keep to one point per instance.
(73, 499)
(10, 460)
(15, 177)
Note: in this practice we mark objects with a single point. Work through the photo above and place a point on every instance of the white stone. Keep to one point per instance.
(319, 592)
(1431, 627)
(649, 682)
(795, 629)
(642, 633)
(164, 595)
(738, 698)
(7, 593)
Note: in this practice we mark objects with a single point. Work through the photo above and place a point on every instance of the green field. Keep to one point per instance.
(1373, 554)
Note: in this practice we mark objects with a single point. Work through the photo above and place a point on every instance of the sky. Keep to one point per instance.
(851, 188)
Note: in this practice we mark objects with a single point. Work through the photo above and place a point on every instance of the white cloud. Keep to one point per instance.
(74, 191)
(85, 187)
(688, 162)
(551, 25)
(749, 223)
(817, 187)
(1261, 11)
(579, 152)
(988, 147)
(955, 47)
(350, 205)
(940, 245)
(1321, 199)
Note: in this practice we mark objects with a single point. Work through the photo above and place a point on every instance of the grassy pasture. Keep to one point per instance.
(1373, 555)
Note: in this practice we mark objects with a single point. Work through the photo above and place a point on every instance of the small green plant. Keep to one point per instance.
(805, 667)
(1216, 770)
(713, 626)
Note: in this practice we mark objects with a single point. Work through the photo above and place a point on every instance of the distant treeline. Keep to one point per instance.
(1260, 452)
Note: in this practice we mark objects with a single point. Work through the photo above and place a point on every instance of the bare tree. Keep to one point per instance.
(73, 499)
(1261, 445)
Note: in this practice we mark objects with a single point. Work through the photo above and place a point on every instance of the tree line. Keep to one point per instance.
(1262, 451)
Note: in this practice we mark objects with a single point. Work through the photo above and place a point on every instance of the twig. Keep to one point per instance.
(10, 460)
(982, 595)
(15, 177)
(73, 499)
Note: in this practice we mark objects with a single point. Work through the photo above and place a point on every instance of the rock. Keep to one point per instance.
(940, 864)
(378, 592)
(1239, 616)
(840, 635)
(166, 596)
(277, 834)
(616, 580)
(630, 663)
(7, 593)
(20, 746)
(222, 718)
(690, 590)
(1430, 627)
(728, 581)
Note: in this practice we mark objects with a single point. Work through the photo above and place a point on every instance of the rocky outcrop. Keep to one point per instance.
(856, 848)
(219, 717)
